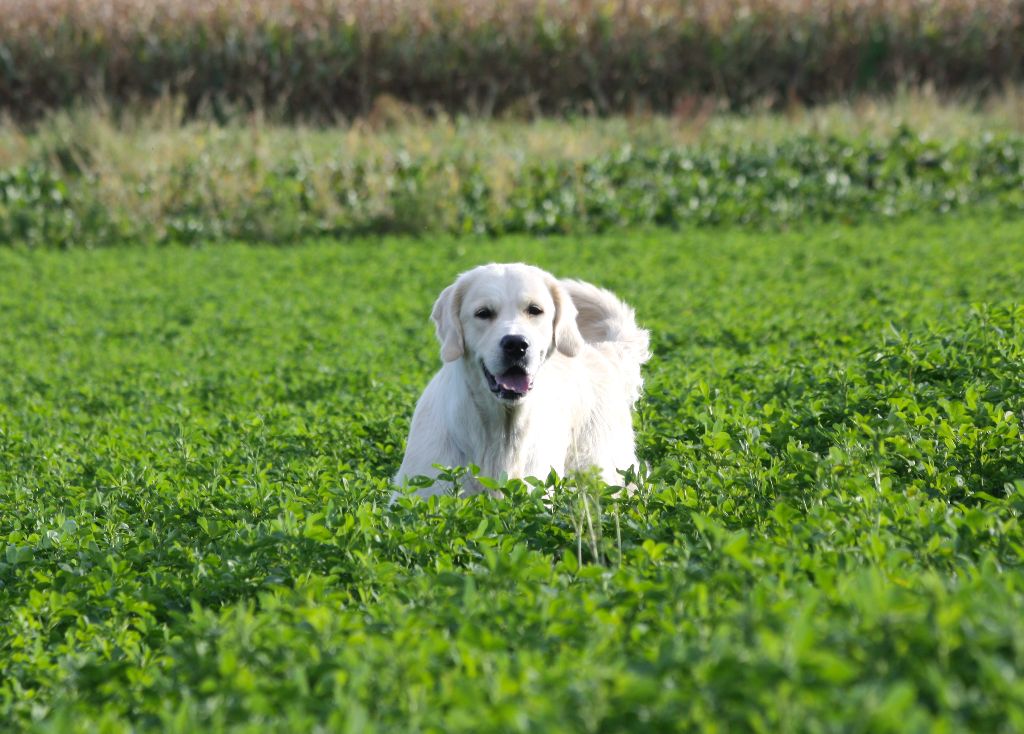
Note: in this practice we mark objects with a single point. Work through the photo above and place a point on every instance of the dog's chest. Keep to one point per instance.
(519, 448)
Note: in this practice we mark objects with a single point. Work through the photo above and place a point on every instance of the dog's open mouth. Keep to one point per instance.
(512, 384)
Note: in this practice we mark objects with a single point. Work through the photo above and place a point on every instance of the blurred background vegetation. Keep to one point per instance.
(320, 59)
(127, 121)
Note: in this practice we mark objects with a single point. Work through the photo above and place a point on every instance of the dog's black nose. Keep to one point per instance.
(514, 346)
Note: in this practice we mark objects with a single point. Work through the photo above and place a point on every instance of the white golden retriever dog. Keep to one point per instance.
(538, 374)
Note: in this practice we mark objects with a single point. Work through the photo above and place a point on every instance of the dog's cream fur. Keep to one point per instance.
(582, 366)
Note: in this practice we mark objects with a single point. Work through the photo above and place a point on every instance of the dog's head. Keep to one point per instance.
(506, 321)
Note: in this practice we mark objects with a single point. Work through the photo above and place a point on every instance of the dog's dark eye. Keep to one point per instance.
(484, 313)
(534, 310)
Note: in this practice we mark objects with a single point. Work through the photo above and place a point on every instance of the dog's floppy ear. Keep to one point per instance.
(449, 326)
(568, 339)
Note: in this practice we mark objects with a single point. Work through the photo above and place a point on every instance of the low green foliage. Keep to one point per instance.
(195, 448)
(61, 201)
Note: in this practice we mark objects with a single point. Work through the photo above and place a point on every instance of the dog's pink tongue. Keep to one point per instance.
(517, 382)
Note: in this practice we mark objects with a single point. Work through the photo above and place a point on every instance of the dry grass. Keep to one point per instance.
(161, 136)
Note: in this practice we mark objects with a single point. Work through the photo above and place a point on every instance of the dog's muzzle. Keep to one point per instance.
(512, 384)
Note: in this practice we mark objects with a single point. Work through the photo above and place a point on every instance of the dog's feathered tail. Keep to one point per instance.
(609, 324)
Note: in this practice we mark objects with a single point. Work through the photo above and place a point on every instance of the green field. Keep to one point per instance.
(196, 445)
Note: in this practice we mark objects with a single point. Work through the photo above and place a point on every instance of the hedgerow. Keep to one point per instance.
(196, 445)
(322, 58)
(201, 198)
